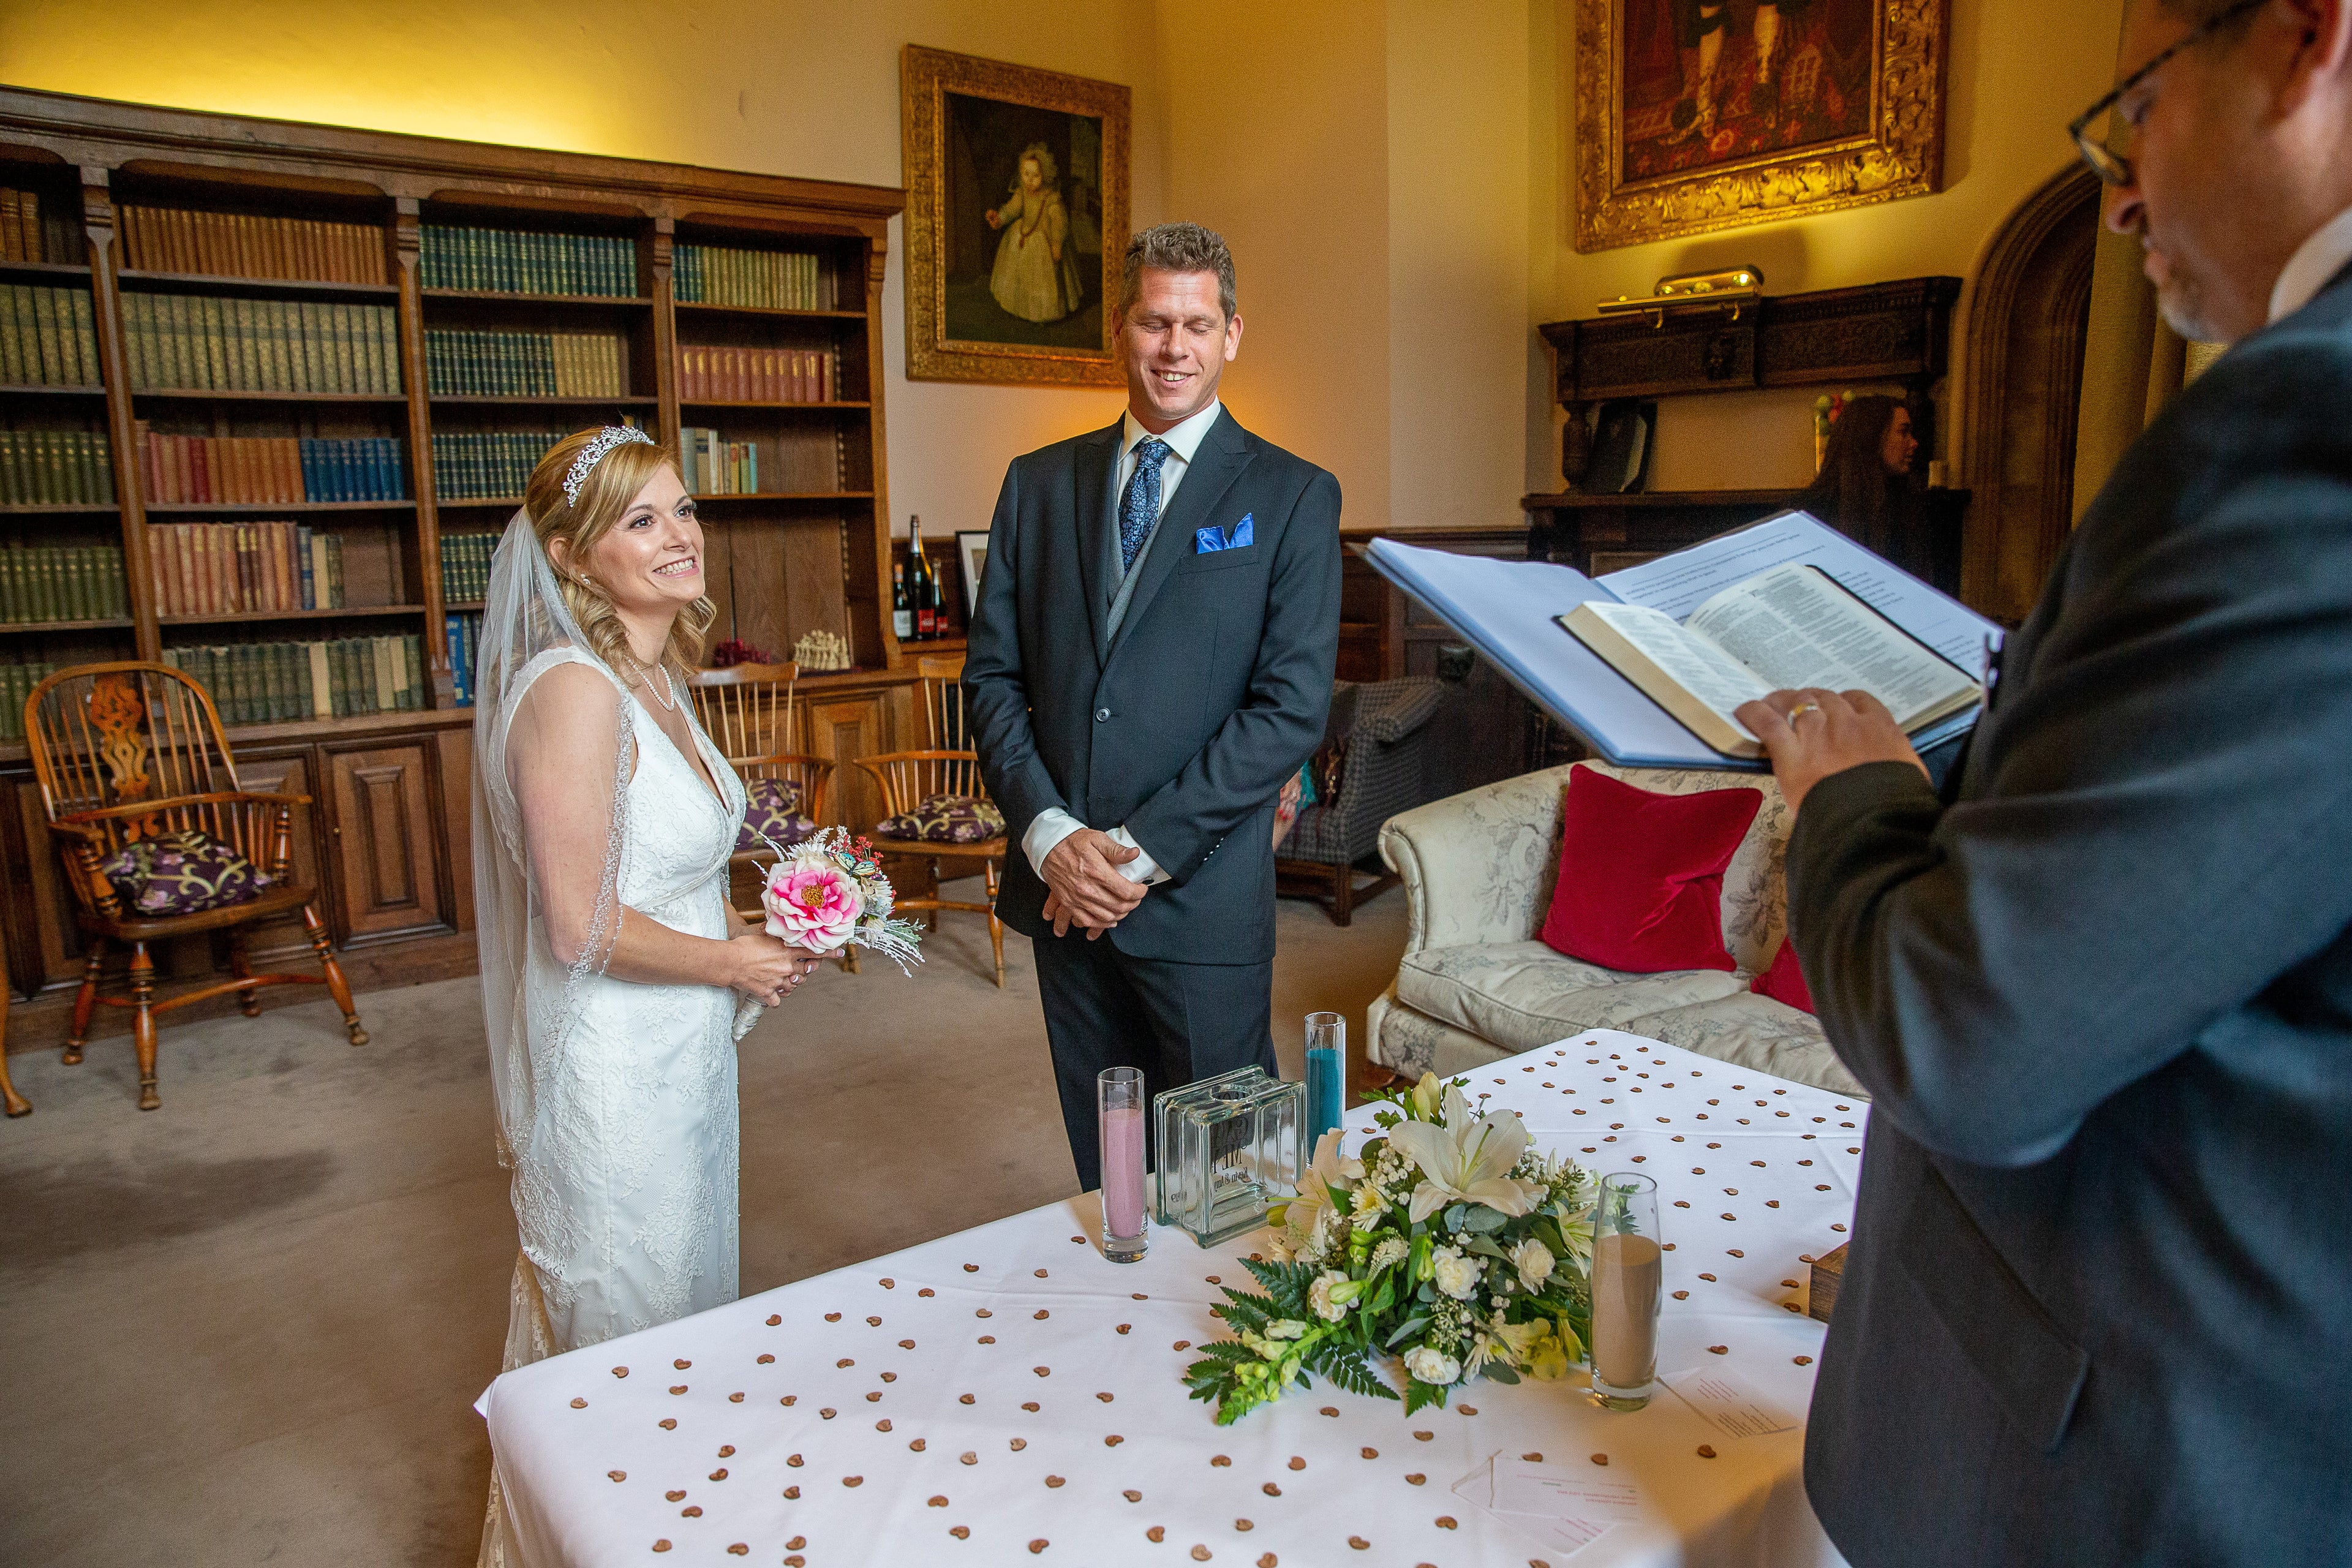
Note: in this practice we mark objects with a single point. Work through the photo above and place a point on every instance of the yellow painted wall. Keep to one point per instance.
(2020, 69)
(783, 87)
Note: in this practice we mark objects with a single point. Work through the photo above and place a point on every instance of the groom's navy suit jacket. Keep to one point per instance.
(2098, 1306)
(1185, 724)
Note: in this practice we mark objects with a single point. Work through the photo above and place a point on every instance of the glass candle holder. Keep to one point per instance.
(1628, 1268)
(1326, 1063)
(1230, 1154)
(1119, 1118)
(1166, 1109)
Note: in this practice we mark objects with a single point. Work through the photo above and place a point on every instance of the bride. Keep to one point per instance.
(616, 979)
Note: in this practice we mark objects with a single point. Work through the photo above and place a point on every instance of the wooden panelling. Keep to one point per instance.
(290, 773)
(841, 727)
(456, 747)
(388, 875)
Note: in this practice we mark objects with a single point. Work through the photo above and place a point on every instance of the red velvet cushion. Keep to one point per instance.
(1784, 981)
(1642, 874)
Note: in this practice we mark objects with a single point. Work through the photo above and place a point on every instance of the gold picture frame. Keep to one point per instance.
(1012, 259)
(1787, 121)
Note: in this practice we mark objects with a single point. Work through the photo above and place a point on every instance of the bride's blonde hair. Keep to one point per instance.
(606, 495)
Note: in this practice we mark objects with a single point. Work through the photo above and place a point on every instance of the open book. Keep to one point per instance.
(1509, 611)
(1792, 625)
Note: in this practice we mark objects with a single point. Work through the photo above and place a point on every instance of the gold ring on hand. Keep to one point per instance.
(1803, 708)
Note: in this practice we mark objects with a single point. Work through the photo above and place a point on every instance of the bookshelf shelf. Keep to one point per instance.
(61, 508)
(706, 403)
(198, 395)
(257, 288)
(691, 310)
(22, 391)
(476, 400)
(479, 502)
(269, 616)
(21, 628)
(50, 272)
(786, 495)
(497, 297)
(268, 508)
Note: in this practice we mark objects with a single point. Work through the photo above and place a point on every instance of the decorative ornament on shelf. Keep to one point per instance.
(1731, 291)
(1448, 1243)
(735, 651)
(822, 650)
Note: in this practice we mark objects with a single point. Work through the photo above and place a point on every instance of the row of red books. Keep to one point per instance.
(242, 245)
(711, 373)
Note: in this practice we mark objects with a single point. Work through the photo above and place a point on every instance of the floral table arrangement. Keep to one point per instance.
(828, 891)
(1447, 1245)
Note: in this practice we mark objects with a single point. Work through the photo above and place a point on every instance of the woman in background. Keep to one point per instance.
(1864, 489)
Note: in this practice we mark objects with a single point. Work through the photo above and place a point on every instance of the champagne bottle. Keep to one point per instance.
(919, 571)
(902, 619)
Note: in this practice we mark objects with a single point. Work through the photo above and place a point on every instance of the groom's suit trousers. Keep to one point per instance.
(1177, 1022)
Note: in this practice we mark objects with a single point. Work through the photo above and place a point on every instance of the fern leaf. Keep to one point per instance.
(1419, 1395)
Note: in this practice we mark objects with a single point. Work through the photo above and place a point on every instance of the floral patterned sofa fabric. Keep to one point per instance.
(945, 819)
(182, 873)
(1476, 985)
(772, 816)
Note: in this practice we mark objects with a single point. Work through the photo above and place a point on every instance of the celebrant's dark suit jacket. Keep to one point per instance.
(2098, 1305)
(1184, 726)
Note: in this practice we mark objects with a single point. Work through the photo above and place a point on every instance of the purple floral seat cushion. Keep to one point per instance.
(771, 811)
(182, 873)
(945, 819)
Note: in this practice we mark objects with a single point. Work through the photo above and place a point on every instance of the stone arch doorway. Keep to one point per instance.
(2022, 319)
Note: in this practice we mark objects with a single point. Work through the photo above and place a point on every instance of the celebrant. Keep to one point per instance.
(2100, 986)
(616, 979)
(1150, 663)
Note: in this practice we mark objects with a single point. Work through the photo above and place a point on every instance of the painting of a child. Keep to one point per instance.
(1036, 274)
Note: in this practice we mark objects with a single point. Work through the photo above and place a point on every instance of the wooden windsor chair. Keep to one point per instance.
(749, 712)
(17, 1105)
(133, 751)
(946, 768)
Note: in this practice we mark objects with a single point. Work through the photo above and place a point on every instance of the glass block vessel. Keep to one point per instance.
(1230, 1147)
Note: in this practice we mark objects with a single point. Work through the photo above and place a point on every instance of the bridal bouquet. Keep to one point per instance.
(1447, 1243)
(828, 891)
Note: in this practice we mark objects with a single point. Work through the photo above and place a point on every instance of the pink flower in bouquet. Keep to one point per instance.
(815, 907)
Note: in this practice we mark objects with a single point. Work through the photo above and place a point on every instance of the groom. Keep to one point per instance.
(1150, 663)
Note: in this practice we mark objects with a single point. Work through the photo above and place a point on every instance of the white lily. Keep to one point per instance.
(1322, 1191)
(1468, 1160)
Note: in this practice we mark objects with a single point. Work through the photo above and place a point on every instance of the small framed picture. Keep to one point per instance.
(972, 554)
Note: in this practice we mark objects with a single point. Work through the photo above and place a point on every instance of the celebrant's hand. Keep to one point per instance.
(1812, 733)
(768, 969)
(1084, 887)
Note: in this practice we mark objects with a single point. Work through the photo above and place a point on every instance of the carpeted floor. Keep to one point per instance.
(250, 1328)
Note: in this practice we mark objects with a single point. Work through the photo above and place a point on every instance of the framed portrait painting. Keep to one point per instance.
(1016, 221)
(1698, 115)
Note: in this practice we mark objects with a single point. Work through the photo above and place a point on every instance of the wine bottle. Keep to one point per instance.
(902, 619)
(919, 571)
(941, 625)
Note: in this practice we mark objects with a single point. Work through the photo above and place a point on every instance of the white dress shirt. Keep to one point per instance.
(1052, 825)
(2316, 260)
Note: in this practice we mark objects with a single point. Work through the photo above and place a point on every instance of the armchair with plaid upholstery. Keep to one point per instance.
(1374, 764)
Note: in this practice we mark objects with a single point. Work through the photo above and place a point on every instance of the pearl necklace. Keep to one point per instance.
(643, 678)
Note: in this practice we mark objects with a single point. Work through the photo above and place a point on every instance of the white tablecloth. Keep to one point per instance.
(1005, 1395)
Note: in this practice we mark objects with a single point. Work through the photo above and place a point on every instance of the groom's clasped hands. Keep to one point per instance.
(1084, 886)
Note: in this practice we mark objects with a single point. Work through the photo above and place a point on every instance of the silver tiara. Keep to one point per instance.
(610, 436)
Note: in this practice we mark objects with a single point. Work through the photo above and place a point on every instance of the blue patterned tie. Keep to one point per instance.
(1139, 509)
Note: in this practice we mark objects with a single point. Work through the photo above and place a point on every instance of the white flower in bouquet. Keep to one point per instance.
(1468, 1160)
(1534, 1262)
(1432, 1366)
(1330, 1295)
(1393, 1250)
(1457, 1275)
(1306, 1222)
(1370, 1201)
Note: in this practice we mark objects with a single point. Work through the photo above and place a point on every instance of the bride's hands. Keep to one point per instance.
(766, 969)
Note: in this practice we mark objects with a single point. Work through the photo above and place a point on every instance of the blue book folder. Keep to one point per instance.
(1509, 610)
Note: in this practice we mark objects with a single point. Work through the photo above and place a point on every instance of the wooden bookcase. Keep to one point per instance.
(809, 550)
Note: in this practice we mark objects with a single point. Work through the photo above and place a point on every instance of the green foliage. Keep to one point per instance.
(1346, 1368)
(1420, 1396)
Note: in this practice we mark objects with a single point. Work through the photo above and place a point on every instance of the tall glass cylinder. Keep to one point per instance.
(1327, 1066)
(1119, 1111)
(1628, 1266)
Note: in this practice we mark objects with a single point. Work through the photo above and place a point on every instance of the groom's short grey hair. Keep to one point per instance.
(1177, 248)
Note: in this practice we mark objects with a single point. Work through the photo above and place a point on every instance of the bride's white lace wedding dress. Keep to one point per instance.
(626, 1160)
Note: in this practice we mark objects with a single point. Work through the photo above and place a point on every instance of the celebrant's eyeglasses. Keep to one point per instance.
(2115, 167)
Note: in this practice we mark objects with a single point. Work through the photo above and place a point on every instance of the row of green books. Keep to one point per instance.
(272, 682)
(466, 566)
(199, 342)
(17, 679)
(61, 583)
(488, 465)
(526, 365)
(764, 280)
(48, 336)
(55, 467)
(514, 261)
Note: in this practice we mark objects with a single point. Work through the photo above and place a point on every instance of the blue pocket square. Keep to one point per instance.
(1242, 533)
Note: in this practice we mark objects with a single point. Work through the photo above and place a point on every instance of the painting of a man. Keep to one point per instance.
(1711, 82)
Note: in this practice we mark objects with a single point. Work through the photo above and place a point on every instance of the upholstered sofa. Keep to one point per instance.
(1476, 984)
